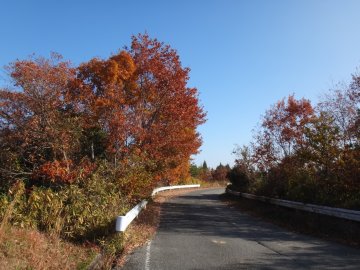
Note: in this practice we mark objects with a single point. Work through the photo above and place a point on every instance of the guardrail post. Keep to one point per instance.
(120, 224)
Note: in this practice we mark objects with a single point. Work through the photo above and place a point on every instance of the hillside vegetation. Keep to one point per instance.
(306, 153)
(82, 144)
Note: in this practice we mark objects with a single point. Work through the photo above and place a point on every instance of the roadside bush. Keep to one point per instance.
(85, 210)
(302, 187)
(239, 178)
(58, 173)
(134, 178)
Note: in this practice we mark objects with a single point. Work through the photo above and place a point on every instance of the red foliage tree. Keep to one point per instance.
(134, 107)
(167, 112)
(36, 124)
(104, 92)
(283, 127)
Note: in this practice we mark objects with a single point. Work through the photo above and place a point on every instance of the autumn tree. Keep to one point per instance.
(282, 130)
(342, 104)
(36, 124)
(220, 172)
(322, 137)
(242, 173)
(306, 154)
(105, 92)
(134, 109)
(79, 144)
(244, 158)
(166, 111)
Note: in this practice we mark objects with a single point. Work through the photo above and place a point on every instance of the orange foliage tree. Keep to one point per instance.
(37, 125)
(140, 99)
(133, 109)
(282, 130)
(104, 91)
(167, 111)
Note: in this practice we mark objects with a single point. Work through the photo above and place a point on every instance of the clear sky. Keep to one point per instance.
(243, 55)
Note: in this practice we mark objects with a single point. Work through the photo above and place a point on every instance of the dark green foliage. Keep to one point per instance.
(201, 172)
(195, 171)
(239, 178)
(93, 143)
(204, 166)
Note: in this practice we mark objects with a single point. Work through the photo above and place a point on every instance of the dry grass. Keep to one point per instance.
(30, 249)
(215, 184)
(212, 184)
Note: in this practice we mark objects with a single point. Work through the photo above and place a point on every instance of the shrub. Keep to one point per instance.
(239, 178)
(58, 173)
(85, 210)
(302, 187)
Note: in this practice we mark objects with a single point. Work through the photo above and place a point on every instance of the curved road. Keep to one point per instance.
(198, 231)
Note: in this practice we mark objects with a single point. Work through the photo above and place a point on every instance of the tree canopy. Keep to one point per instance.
(58, 121)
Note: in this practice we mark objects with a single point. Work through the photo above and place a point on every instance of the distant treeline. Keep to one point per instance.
(203, 172)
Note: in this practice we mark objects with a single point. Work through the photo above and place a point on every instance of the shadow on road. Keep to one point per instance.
(205, 215)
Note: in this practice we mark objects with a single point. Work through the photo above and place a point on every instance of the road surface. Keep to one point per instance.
(198, 231)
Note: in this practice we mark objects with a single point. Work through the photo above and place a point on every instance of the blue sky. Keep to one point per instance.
(243, 55)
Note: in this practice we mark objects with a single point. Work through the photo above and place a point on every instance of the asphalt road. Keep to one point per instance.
(198, 231)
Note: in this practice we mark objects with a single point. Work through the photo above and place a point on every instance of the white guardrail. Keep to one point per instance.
(325, 210)
(122, 222)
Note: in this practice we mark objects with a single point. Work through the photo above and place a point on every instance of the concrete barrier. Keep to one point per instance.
(122, 222)
(157, 190)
